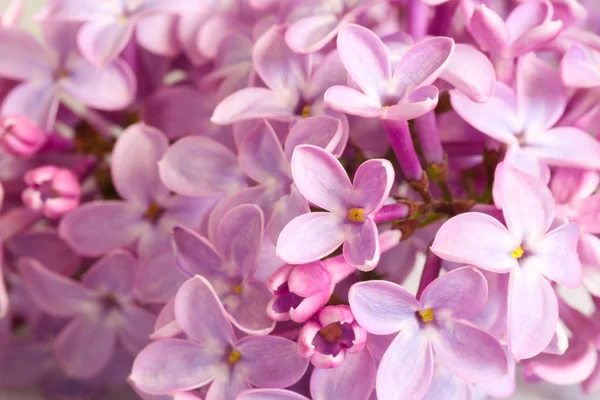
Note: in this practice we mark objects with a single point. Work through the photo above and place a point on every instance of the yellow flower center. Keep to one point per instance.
(234, 356)
(238, 289)
(331, 333)
(356, 214)
(122, 19)
(426, 315)
(305, 111)
(153, 212)
(517, 253)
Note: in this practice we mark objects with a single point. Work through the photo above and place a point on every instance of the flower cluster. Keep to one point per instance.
(311, 199)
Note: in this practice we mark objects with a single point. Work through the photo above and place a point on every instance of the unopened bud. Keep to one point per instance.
(53, 191)
(20, 136)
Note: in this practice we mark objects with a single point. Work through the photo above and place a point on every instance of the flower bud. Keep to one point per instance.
(20, 136)
(53, 191)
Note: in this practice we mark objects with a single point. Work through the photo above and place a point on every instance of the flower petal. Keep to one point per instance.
(532, 313)
(361, 248)
(139, 324)
(37, 100)
(580, 67)
(114, 273)
(416, 104)
(351, 101)
(470, 353)
(101, 41)
(471, 72)
(158, 278)
(373, 181)
(28, 58)
(476, 239)
(249, 314)
(195, 255)
(310, 237)
(567, 147)
(312, 33)
(254, 103)
(269, 394)
(261, 156)
(382, 307)
(463, 291)
(321, 131)
(271, 361)
(320, 178)
(406, 369)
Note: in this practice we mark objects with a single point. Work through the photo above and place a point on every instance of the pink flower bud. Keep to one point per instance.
(53, 191)
(20, 136)
(327, 338)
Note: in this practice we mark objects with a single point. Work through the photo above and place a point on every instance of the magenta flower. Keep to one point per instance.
(229, 265)
(321, 179)
(212, 355)
(52, 191)
(109, 25)
(432, 325)
(102, 308)
(525, 121)
(148, 211)
(406, 94)
(580, 67)
(20, 136)
(326, 339)
(526, 248)
(48, 73)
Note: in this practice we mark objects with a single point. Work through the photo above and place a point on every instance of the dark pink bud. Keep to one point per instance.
(53, 191)
(20, 136)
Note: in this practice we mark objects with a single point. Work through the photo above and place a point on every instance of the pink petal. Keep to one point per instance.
(195, 255)
(527, 16)
(366, 59)
(135, 165)
(269, 394)
(101, 226)
(201, 315)
(571, 368)
(320, 178)
(496, 117)
(361, 248)
(541, 95)
(556, 256)
(382, 307)
(373, 181)
(239, 238)
(253, 103)
(284, 211)
(470, 353)
(580, 67)
(567, 147)
(261, 156)
(488, 29)
(157, 33)
(520, 158)
(271, 361)
(171, 365)
(312, 33)
(406, 368)
(84, 347)
(114, 273)
(310, 237)
(198, 166)
(570, 184)
(158, 279)
(527, 204)
(463, 291)
(28, 58)
(139, 324)
(421, 65)
(37, 100)
(308, 279)
(101, 41)
(532, 313)
(227, 385)
(75, 10)
(471, 72)
(55, 294)
(353, 102)
(418, 103)
(321, 131)
(476, 239)
(111, 88)
(250, 313)
(353, 380)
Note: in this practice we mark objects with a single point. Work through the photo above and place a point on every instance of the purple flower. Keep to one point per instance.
(432, 325)
(52, 191)
(212, 354)
(20, 136)
(527, 248)
(229, 265)
(102, 308)
(321, 179)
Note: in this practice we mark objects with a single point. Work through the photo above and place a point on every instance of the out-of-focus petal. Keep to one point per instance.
(580, 67)
(114, 273)
(101, 41)
(312, 33)
(566, 147)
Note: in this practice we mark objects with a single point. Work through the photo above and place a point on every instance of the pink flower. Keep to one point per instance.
(20, 136)
(51, 190)
(321, 179)
(527, 248)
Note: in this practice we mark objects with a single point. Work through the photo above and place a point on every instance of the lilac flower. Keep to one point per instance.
(432, 325)
(229, 265)
(212, 354)
(109, 25)
(102, 310)
(526, 248)
(580, 67)
(148, 211)
(403, 95)
(48, 73)
(52, 191)
(525, 121)
(327, 339)
(20, 136)
(322, 181)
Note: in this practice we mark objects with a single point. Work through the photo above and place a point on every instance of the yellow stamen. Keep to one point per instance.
(62, 74)
(331, 333)
(356, 214)
(238, 289)
(153, 212)
(122, 19)
(517, 253)
(234, 356)
(305, 111)
(426, 315)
